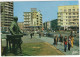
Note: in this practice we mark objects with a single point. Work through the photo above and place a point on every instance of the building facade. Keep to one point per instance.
(32, 20)
(68, 17)
(6, 15)
(21, 26)
(27, 20)
(39, 19)
(47, 25)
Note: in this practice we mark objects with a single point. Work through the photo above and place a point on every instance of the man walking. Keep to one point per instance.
(31, 35)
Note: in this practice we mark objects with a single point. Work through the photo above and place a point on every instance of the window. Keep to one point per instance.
(73, 9)
(73, 13)
(69, 13)
(69, 17)
(66, 13)
(66, 16)
(69, 10)
(77, 13)
(64, 10)
(77, 9)
(77, 16)
(74, 16)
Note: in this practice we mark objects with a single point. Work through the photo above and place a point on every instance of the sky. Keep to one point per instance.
(48, 9)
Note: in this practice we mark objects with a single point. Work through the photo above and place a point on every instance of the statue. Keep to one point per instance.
(15, 37)
(14, 28)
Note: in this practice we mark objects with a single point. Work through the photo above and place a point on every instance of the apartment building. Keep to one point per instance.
(21, 26)
(68, 17)
(47, 25)
(32, 19)
(6, 15)
(34, 16)
(39, 19)
(27, 20)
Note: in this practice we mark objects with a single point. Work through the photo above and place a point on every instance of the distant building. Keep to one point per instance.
(39, 19)
(32, 20)
(27, 20)
(33, 9)
(47, 25)
(21, 26)
(68, 17)
(6, 15)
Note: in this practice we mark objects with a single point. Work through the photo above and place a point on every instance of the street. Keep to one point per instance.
(50, 40)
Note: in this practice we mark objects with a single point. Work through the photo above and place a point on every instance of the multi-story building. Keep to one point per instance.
(27, 20)
(33, 9)
(47, 25)
(6, 15)
(34, 16)
(39, 19)
(32, 19)
(68, 17)
(21, 26)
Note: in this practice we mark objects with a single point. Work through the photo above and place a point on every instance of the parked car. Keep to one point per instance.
(45, 33)
(50, 34)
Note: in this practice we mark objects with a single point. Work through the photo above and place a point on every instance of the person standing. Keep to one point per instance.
(65, 43)
(61, 38)
(72, 41)
(69, 43)
(54, 40)
(31, 35)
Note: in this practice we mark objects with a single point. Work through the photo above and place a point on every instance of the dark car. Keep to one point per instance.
(50, 34)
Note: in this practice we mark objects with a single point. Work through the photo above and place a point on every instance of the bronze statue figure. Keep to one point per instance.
(14, 28)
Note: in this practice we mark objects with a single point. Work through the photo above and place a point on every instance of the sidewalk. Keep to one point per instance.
(73, 51)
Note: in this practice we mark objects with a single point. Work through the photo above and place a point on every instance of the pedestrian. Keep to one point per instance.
(65, 43)
(69, 43)
(31, 35)
(71, 33)
(61, 39)
(72, 41)
(55, 40)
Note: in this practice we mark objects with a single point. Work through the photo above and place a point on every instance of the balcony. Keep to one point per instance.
(59, 15)
(72, 21)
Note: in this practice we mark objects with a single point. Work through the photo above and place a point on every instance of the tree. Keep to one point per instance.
(54, 24)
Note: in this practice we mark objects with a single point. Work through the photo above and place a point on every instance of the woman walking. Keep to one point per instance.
(72, 41)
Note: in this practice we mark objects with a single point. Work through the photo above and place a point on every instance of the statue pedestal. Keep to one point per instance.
(13, 43)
